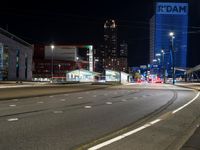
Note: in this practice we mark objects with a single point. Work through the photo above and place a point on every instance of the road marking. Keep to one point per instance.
(87, 107)
(40, 102)
(135, 97)
(80, 97)
(66, 94)
(63, 100)
(58, 112)
(12, 105)
(108, 103)
(13, 119)
(94, 95)
(188, 103)
(124, 135)
(124, 100)
(155, 121)
(51, 96)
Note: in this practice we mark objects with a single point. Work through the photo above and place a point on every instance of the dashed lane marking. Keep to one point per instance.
(12, 105)
(108, 103)
(87, 107)
(80, 97)
(40, 102)
(12, 119)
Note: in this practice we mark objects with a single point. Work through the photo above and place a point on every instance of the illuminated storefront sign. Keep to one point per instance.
(172, 8)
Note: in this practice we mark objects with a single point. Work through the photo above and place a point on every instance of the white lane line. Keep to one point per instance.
(87, 107)
(180, 108)
(108, 103)
(155, 121)
(119, 137)
(40, 102)
(80, 97)
(94, 95)
(51, 96)
(12, 119)
(66, 94)
(12, 105)
(58, 112)
(63, 100)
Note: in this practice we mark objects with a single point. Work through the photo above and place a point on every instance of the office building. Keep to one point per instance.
(15, 57)
(169, 17)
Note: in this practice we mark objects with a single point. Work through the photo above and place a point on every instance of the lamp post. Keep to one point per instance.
(52, 48)
(59, 65)
(171, 34)
(163, 64)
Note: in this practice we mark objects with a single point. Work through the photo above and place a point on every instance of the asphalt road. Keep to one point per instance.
(68, 121)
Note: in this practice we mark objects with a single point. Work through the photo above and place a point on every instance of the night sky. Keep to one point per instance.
(81, 21)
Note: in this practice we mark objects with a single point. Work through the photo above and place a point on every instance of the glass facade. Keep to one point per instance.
(171, 17)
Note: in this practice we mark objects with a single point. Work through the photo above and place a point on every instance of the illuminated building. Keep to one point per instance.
(15, 57)
(110, 45)
(65, 58)
(169, 17)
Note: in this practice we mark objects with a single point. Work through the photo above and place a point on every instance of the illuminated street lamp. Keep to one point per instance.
(52, 48)
(158, 54)
(163, 63)
(155, 60)
(59, 65)
(171, 34)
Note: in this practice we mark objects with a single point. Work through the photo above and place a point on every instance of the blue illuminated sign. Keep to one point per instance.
(172, 8)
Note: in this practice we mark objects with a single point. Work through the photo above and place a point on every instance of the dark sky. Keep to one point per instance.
(81, 21)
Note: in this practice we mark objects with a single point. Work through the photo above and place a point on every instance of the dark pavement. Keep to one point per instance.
(71, 120)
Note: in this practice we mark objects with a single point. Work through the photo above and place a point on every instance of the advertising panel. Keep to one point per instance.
(172, 8)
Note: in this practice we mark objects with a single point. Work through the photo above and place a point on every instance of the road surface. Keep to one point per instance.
(71, 120)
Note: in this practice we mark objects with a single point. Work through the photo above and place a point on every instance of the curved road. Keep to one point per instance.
(68, 121)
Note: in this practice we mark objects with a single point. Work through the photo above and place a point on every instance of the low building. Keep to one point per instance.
(15, 57)
(54, 63)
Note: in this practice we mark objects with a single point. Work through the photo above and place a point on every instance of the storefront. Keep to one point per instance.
(81, 75)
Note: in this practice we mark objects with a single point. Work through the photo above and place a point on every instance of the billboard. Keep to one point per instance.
(172, 8)
(66, 53)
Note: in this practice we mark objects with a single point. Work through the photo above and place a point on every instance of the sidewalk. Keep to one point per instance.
(194, 141)
(25, 91)
(195, 86)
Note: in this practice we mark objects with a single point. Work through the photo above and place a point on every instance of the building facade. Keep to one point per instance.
(169, 17)
(56, 62)
(123, 54)
(110, 45)
(15, 57)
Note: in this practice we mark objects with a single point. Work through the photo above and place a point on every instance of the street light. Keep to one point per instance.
(171, 34)
(52, 48)
(59, 65)
(163, 63)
